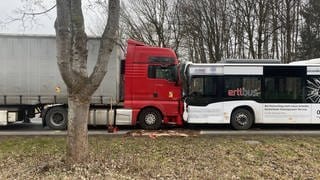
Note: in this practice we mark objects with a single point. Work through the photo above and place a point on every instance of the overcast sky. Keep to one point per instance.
(43, 23)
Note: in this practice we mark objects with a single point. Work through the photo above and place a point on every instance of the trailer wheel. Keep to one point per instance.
(241, 119)
(57, 118)
(150, 119)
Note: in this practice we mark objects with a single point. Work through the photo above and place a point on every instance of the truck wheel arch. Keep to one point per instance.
(45, 111)
(156, 111)
(151, 107)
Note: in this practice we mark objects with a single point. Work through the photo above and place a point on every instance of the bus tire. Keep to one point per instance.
(241, 119)
(150, 119)
(57, 118)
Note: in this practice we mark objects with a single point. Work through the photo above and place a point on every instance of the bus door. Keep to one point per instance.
(284, 95)
(203, 100)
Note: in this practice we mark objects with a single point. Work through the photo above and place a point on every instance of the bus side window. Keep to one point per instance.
(196, 86)
(210, 88)
(242, 87)
(283, 89)
(204, 87)
(270, 92)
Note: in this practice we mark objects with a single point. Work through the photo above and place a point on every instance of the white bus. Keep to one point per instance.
(247, 94)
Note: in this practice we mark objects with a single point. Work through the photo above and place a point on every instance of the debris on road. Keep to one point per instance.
(158, 133)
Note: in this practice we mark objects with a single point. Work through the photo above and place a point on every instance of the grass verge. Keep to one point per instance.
(203, 157)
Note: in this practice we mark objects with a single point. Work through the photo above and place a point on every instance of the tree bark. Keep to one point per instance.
(72, 53)
(77, 137)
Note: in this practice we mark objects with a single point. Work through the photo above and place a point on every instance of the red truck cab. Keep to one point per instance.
(151, 87)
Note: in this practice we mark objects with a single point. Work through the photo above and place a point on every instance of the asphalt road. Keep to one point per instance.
(35, 128)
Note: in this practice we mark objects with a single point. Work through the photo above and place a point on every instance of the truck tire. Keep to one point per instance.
(57, 118)
(150, 119)
(241, 119)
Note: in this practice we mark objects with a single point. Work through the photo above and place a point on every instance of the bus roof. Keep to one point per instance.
(248, 69)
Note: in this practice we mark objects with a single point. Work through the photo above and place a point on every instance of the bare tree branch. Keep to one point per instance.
(27, 15)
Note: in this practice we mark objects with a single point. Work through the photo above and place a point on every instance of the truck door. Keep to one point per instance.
(163, 79)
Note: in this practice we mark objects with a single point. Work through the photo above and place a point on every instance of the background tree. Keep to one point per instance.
(288, 19)
(72, 61)
(206, 29)
(214, 30)
(209, 31)
(154, 22)
(310, 34)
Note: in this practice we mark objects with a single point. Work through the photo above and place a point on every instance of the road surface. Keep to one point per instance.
(35, 128)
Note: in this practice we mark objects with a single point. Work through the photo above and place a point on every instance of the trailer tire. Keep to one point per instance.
(57, 118)
(150, 119)
(241, 119)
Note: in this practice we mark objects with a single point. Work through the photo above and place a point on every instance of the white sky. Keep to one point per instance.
(44, 24)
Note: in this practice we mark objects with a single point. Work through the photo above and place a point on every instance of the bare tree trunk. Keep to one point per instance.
(288, 23)
(274, 26)
(77, 138)
(297, 28)
(72, 53)
(203, 57)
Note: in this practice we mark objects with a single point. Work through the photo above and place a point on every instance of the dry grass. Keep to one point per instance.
(202, 157)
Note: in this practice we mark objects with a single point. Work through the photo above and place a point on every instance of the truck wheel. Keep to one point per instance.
(57, 118)
(150, 119)
(241, 119)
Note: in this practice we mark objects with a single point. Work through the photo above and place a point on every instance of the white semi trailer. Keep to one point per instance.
(30, 83)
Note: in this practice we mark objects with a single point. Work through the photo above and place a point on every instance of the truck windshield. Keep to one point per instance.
(163, 72)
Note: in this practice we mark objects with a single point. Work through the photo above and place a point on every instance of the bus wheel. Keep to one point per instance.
(57, 118)
(241, 119)
(150, 119)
